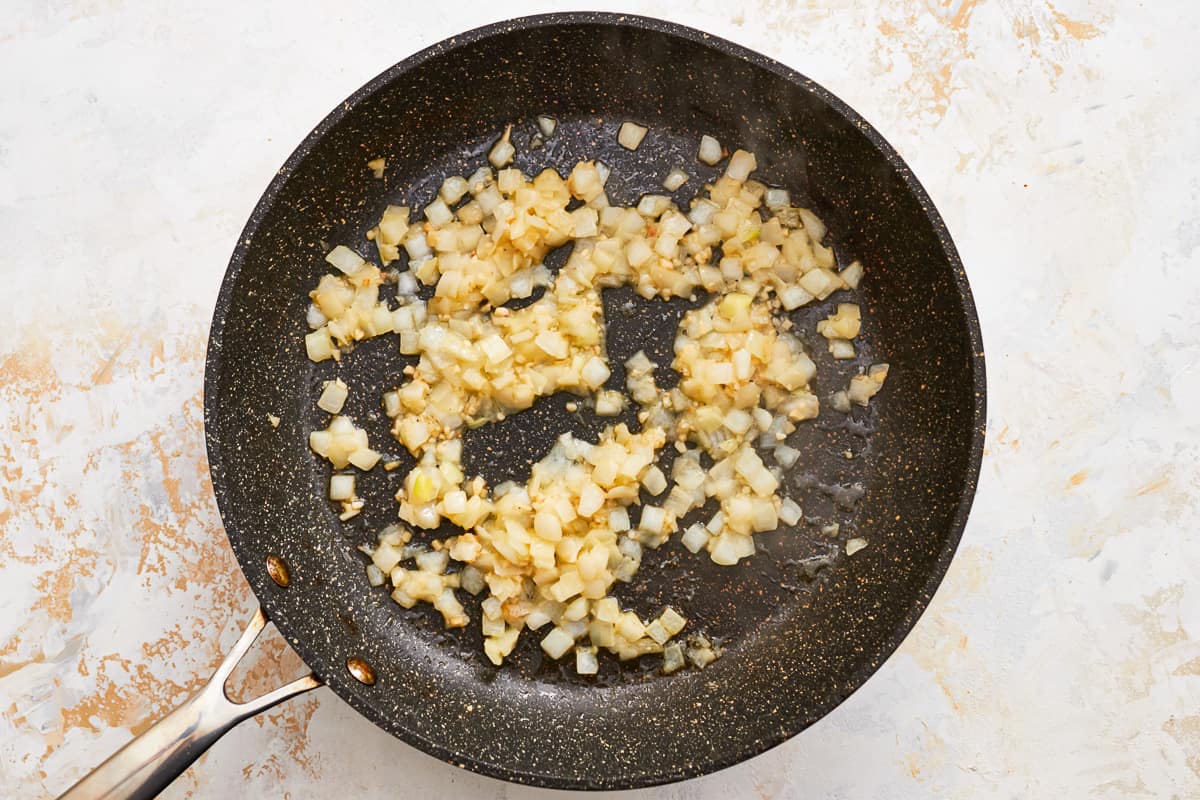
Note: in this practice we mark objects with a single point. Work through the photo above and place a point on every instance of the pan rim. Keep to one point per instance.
(954, 534)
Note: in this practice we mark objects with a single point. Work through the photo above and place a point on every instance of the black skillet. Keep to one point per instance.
(803, 625)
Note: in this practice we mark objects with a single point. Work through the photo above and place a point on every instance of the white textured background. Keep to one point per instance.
(1060, 659)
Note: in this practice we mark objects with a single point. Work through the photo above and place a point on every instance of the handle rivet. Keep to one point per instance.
(361, 670)
(278, 571)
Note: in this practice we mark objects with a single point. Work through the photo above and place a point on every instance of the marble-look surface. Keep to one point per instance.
(1061, 658)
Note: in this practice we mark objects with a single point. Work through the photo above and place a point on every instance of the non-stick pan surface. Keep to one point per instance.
(803, 624)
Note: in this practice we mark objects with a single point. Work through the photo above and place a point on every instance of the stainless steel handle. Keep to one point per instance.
(144, 767)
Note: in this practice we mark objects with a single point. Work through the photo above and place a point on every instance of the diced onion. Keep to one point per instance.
(777, 198)
(657, 632)
(793, 297)
(618, 519)
(630, 135)
(813, 225)
(341, 487)
(591, 498)
(548, 553)
(654, 481)
(724, 549)
(653, 519)
(710, 150)
(863, 387)
(695, 538)
(844, 324)
(609, 403)
(333, 396)
(318, 345)
(675, 179)
(841, 348)
(472, 580)
(852, 274)
(557, 643)
(438, 213)
(406, 284)
(586, 662)
(501, 154)
(314, 317)
(741, 164)
(672, 621)
(701, 652)
(453, 189)
(364, 458)
(819, 283)
(345, 259)
(672, 658)
(786, 456)
(653, 205)
(595, 372)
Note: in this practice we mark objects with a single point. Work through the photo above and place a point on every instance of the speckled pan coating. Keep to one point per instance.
(798, 644)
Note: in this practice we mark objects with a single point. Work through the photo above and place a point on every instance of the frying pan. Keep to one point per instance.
(803, 625)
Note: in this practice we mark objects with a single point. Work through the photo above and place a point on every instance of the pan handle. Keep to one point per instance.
(144, 767)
